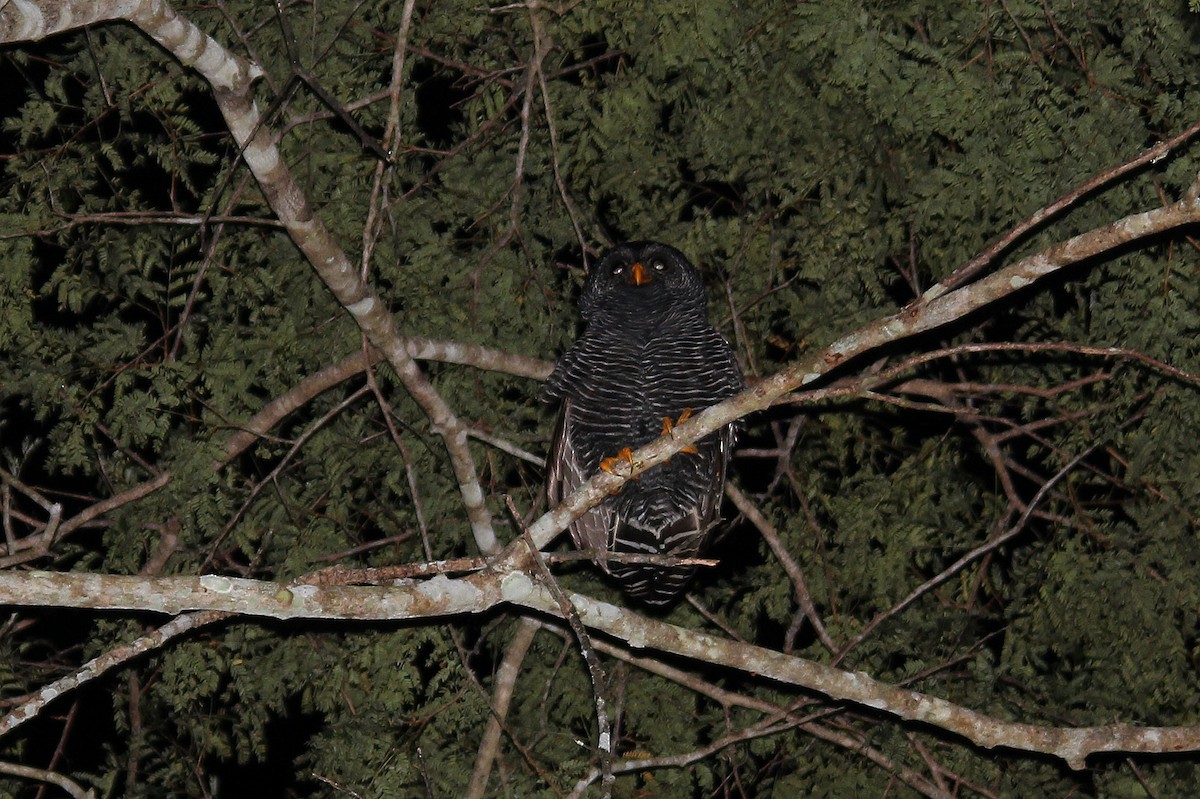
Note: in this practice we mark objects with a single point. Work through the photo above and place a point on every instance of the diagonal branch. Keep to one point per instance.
(231, 79)
(506, 678)
(919, 317)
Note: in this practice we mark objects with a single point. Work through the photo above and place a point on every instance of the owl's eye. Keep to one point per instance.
(616, 270)
(658, 266)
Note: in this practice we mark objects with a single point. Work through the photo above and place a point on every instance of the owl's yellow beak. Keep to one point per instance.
(639, 275)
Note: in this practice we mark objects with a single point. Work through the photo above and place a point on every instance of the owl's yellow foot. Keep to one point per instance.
(610, 464)
(669, 427)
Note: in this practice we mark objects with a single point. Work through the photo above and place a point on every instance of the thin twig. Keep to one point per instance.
(604, 743)
(506, 679)
(974, 554)
(794, 572)
(35, 703)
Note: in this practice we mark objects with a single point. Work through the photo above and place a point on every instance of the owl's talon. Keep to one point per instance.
(610, 464)
(669, 427)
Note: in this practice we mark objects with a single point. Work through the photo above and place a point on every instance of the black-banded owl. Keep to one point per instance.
(647, 357)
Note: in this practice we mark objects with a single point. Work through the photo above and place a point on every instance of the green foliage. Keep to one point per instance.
(823, 163)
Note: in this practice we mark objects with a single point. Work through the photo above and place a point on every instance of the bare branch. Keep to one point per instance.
(799, 583)
(32, 706)
(604, 741)
(1035, 220)
(69, 786)
(441, 596)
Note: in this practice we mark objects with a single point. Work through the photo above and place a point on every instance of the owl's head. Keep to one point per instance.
(642, 277)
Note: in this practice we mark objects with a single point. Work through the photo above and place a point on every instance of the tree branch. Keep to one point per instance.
(506, 679)
(441, 596)
(231, 79)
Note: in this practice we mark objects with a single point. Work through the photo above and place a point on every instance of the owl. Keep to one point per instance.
(648, 357)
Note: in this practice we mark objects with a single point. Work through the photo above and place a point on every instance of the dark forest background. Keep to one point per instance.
(1000, 512)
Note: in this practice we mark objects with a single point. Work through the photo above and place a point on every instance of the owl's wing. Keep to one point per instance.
(566, 472)
(709, 507)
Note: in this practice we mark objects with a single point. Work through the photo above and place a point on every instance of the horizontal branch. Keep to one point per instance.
(442, 596)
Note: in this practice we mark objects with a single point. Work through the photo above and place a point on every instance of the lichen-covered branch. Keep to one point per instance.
(919, 317)
(153, 641)
(442, 596)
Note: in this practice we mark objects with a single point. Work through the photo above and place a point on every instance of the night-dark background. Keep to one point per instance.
(824, 165)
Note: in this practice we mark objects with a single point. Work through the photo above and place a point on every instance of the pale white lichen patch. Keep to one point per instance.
(303, 593)
(516, 587)
(175, 33)
(1074, 754)
(937, 712)
(361, 307)
(211, 60)
(842, 346)
(32, 22)
(216, 583)
(230, 71)
(435, 586)
(637, 640)
(452, 594)
(208, 57)
(471, 493)
(261, 156)
(242, 126)
(594, 611)
(1019, 282)
(895, 327)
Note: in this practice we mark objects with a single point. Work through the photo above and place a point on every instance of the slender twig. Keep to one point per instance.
(542, 43)
(278, 469)
(604, 742)
(30, 707)
(793, 570)
(506, 679)
(809, 723)
(968, 270)
(391, 137)
(989, 546)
